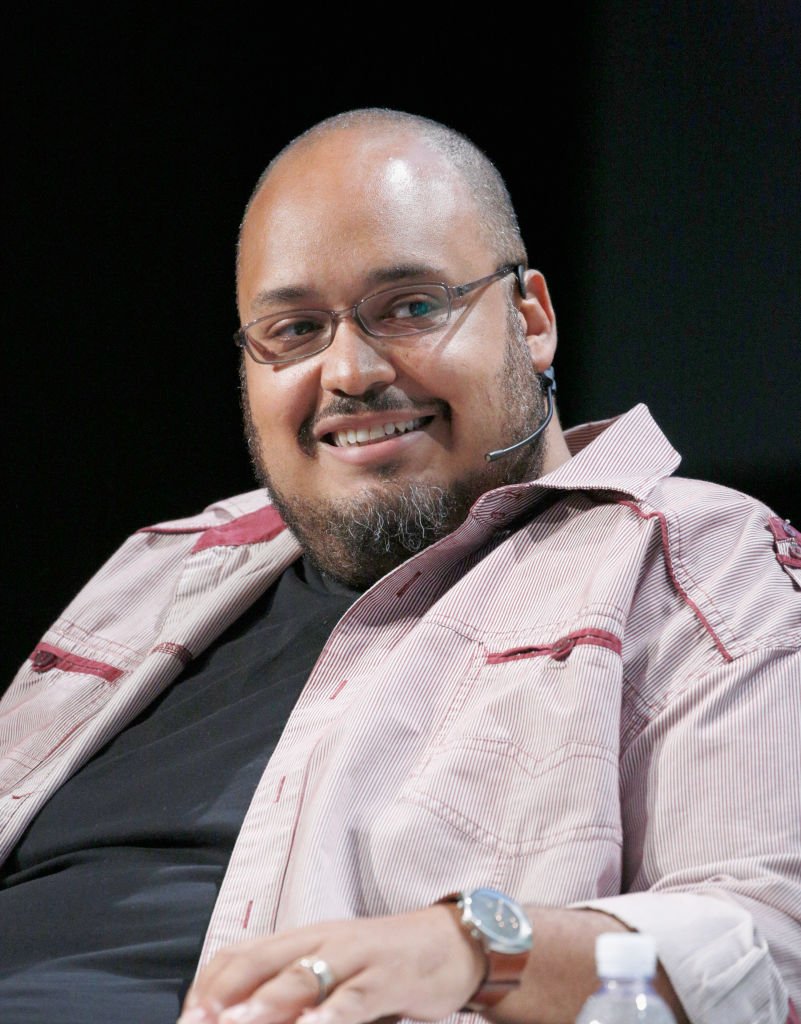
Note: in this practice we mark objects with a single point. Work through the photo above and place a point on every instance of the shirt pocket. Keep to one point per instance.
(525, 769)
(53, 695)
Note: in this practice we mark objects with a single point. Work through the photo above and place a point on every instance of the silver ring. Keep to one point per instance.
(324, 975)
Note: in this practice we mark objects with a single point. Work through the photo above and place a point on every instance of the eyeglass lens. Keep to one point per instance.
(392, 313)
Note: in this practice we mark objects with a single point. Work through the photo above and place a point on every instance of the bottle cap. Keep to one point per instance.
(625, 955)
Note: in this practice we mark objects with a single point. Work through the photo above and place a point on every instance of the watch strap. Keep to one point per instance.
(503, 970)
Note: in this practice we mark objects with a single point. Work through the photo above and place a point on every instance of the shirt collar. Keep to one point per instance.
(627, 454)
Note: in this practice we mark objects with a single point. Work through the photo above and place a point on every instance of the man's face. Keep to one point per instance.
(337, 220)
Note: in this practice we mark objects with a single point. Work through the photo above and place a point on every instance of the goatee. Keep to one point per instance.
(358, 540)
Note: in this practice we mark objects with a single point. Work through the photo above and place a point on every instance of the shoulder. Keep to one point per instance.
(152, 558)
(217, 514)
(733, 557)
(243, 519)
(122, 606)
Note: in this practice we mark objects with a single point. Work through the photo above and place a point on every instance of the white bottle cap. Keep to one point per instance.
(625, 955)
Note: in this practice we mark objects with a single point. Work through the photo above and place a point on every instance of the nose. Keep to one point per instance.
(355, 362)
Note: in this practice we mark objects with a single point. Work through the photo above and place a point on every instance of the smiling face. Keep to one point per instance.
(373, 424)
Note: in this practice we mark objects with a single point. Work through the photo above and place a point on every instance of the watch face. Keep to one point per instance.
(499, 919)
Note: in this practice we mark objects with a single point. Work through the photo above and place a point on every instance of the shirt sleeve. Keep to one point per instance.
(717, 961)
(711, 806)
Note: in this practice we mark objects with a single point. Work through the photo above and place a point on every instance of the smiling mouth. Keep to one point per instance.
(378, 432)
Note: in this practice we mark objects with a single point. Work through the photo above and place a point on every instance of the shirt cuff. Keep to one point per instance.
(716, 960)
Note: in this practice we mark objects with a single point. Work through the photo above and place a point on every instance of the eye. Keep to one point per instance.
(274, 337)
(291, 330)
(406, 311)
(413, 306)
(271, 340)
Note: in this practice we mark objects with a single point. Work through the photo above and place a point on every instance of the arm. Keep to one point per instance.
(712, 872)
(711, 805)
(420, 965)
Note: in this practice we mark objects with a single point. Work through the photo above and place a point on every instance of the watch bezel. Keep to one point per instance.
(516, 940)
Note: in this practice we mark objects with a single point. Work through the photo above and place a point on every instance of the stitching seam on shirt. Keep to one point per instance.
(479, 833)
(98, 701)
(513, 751)
(660, 517)
(183, 654)
(548, 765)
(73, 631)
(480, 634)
(451, 712)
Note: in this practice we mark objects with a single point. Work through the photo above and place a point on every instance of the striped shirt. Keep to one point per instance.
(587, 695)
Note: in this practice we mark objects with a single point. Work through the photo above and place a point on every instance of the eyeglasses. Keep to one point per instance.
(410, 309)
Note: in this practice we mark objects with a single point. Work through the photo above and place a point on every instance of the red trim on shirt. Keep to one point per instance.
(246, 918)
(408, 583)
(45, 657)
(786, 535)
(251, 528)
(261, 525)
(783, 529)
(178, 651)
(669, 564)
(561, 648)
(792, 1014)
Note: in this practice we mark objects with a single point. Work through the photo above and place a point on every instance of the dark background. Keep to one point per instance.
(652, 150)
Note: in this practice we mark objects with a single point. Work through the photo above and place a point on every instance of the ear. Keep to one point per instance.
(539, 319)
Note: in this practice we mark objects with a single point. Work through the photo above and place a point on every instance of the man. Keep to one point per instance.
(485, 653)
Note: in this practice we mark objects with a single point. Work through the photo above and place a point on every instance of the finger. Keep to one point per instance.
(283, 998)
(273, 1003)
(356, 1001)
(237, 971)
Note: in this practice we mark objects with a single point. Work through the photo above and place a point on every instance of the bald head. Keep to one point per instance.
(492, 206)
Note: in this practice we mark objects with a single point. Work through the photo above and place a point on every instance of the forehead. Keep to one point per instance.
(337, 208)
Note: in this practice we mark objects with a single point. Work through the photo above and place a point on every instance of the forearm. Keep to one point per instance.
(425, 966)
(561, 973)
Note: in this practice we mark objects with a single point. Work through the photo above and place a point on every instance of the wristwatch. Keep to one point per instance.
(499, 925)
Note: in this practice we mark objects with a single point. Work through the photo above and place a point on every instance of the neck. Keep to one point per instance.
(556, 450)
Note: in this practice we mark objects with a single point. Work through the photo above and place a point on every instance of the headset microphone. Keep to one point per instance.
(549, 381)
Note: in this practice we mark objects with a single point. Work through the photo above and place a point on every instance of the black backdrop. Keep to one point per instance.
(652, 150)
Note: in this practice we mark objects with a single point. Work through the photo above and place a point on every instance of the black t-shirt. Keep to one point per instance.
(106, 899)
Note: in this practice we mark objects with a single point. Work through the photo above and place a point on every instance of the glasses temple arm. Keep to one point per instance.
(512, 268)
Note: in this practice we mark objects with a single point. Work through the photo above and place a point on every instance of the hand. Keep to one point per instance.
(419, 964)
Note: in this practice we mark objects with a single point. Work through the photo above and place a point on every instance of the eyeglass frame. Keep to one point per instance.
(454, 293)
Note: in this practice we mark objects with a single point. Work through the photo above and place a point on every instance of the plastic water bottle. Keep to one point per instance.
(626, 963)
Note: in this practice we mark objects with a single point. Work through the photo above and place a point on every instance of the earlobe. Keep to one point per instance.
(540, 320)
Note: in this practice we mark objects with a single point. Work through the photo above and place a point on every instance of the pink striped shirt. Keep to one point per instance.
(587, 695)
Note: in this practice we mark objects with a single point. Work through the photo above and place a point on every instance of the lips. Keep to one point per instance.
(368, 431)
(354, 437)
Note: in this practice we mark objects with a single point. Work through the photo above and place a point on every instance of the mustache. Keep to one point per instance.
(350, 405)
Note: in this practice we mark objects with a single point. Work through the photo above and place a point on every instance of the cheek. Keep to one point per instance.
(451, 371)
(279, 399)
(468, 383)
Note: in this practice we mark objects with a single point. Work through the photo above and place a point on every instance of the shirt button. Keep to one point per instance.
(43, 659)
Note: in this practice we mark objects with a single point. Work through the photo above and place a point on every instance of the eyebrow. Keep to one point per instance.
(290, 295)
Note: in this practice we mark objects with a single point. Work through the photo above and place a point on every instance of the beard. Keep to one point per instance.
(359, 539)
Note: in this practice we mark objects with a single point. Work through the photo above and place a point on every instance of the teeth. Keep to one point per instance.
(343, 438)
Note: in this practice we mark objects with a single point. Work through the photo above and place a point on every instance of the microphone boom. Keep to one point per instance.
(550, 387)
